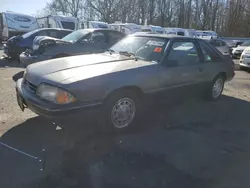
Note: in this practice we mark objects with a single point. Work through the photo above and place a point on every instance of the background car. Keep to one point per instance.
(236, 53)
(79, 42)
(140, 66)
(232, 44)
(221, 46)
(18, 44)
(245, 59)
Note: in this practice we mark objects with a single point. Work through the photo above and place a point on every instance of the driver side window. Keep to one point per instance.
(98, 37)
(183, 53)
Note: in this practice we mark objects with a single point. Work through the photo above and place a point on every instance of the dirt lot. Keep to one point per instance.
(195, 143)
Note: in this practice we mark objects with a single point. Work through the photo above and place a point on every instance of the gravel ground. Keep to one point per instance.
(193, 144)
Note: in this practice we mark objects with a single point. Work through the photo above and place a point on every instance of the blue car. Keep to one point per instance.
(18, 44)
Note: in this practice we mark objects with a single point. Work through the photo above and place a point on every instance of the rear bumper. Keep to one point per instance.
(54, 111)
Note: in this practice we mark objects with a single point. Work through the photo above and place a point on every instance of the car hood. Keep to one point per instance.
(71, 69)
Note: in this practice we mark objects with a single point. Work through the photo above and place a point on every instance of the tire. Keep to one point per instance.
(242, 68)
(115, 106)
(216, 87)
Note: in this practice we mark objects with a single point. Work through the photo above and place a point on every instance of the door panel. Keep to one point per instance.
(182, 70)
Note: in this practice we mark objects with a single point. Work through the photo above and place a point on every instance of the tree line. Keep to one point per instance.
(226, 17)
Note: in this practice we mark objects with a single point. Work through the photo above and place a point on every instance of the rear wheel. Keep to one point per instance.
(216, 88)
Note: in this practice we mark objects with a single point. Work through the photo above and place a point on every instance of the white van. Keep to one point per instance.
(127, 28)
(206, 34)
(12, 24)
(54, 21)
(180, 31)
(93, 24)
(152, 28)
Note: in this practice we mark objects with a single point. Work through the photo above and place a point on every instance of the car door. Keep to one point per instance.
(223, 48)
(181, 68)
(95, 42)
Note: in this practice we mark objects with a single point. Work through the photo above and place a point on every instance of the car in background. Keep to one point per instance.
(245, 59)
(236, 53)
(116, 83)
(180, 31)
(211, 34)
(79, 42)
(221, 46)
(18, 44)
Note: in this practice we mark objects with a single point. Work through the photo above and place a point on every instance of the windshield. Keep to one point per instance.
(68, 25)
(26, 35)
(76, 35)
(246, 43)
(146, 48)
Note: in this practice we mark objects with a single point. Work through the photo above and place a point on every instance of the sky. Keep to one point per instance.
(22, 6)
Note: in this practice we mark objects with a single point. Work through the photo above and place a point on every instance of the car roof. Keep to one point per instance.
(59, 29)
(100, 29)
(158, 35)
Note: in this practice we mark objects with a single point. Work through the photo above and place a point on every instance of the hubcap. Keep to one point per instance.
(217, 88)
(123, 112)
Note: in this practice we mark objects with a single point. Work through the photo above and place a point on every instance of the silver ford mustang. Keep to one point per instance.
(120, 79)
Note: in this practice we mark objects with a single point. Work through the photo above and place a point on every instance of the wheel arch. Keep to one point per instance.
(131, 88)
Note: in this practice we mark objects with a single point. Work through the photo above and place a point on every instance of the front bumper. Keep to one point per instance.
(51, 110)
(27, 59)
(245, 62)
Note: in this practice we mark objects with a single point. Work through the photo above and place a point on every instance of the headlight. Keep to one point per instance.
(35, 47)
(54, 94)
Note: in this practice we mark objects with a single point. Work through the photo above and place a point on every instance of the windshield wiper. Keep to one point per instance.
(110, 51)
(126, 53)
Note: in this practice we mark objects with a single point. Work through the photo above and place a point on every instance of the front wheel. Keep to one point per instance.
(121, 110)
(217, 87)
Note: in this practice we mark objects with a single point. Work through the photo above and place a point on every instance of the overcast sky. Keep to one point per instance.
(22, 6)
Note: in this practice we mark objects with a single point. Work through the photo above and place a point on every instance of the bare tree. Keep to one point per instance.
(66, 7)
(227, 17)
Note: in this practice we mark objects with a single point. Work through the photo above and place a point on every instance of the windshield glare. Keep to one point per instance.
(146, 48)
(76, 35)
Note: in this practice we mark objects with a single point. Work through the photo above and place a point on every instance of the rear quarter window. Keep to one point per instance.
(210, 53)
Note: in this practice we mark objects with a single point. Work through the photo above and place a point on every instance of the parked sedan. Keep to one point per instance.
(82, 41)
(245, 59)
(120, 80)
(18, 44)
(239, 49)
(221, 46)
